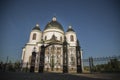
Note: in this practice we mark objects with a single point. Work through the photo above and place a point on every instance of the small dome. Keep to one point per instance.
(36, 27)
(54, 25)
(70, 29)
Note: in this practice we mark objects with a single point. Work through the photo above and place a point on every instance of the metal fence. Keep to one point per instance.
(101, 64)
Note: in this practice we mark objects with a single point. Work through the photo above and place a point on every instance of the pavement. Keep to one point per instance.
(106, 76)
(56, 76)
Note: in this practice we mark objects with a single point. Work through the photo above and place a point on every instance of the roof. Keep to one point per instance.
(36, 27)
(70, 29)
(54, 25)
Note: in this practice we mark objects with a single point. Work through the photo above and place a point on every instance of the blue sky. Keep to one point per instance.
(96, 22)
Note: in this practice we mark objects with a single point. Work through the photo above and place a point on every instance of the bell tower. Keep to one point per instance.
(35, 35)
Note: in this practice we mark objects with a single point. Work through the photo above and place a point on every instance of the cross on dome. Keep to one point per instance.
(37, 25)
(54, 18)
(70, 27)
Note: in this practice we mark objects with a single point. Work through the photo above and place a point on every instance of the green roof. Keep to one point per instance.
(70, 29)
(54, 25)
(36, 28)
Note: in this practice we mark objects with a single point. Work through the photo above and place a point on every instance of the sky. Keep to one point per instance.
(96, 23)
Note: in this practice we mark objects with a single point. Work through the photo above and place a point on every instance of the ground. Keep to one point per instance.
(56, 76)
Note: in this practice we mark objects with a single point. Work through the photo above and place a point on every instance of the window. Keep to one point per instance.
(55, 38)
(34, 36)
(45, 37)
(60, 38)
(72, 60)
(71, 38)
(58, 50)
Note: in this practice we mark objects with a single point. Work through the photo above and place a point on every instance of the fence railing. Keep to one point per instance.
(102, 64)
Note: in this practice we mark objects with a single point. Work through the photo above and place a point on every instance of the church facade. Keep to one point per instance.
(52, 49)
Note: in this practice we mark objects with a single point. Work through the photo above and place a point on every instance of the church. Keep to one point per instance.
(52, 50)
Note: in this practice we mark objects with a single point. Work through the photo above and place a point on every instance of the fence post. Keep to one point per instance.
(42, 57)
(91, 64)
(65, 57)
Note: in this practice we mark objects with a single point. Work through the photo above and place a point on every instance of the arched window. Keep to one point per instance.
(60, 38)
(34, 36)
(45, 37)
(71, 38)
